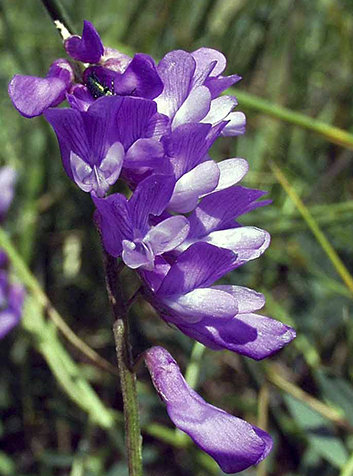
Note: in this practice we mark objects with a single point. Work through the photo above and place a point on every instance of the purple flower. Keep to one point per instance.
(125, 227)
(233, 443)
(192, 82)
(31, 95)
(185, 294)
(88, 48)
(139, 79)
(218, 316)
(94, 143)
(8, 178)
(205, 178)
(213, 222)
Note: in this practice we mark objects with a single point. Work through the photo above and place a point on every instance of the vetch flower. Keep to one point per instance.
(218, 316)
(214, 223)
(31, 95)
(88, 48)
(95, 143)
(125, 226)
(247, 333)
(192, 82)
(233, 443)
(184, 293)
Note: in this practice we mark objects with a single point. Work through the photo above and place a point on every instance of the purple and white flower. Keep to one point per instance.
(125, 227)
(218, 316)
(233, 443)
(95, 143)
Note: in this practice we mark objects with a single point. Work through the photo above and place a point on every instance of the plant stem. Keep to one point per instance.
(133, 437)
(57, 14)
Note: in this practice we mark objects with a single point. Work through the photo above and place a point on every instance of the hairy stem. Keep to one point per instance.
(133, 437)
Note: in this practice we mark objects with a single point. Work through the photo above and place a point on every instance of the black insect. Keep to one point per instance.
(97, 89)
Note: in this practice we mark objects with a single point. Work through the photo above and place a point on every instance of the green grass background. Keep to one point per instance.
(61, 414)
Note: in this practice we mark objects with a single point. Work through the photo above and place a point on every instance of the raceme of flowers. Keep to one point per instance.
(152, 125)
(11, 294)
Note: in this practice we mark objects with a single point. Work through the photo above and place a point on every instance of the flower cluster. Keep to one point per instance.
(11, 294)
(152, 125)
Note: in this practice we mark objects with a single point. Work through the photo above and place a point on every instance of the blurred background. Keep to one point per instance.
(60, 413)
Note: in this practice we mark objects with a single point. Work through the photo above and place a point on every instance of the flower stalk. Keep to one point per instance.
(121, 332)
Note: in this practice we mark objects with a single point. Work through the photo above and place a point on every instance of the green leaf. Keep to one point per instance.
(338, 391)
(319, 432)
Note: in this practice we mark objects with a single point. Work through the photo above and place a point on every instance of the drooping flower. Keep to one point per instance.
(233, 443)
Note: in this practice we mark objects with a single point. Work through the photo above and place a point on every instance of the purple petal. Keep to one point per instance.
(115, 60)
(88, 48)
(205, 56)
(141, 77)
(252, 335)
(168, 234)
(200, 304)
(137, 255)
(231, 172)
(62, 69)
(154, 279)
(232, 442)
(72, 137)
(199, 266)
(144, 153)
(248, 300)
(99, 178)
(199, 181)
(114, 222)
(220, 108)
(176, 71)
(157, 126)
(187, 146)
(31, 96)
(88, 134)
(211, 214)
(249, 242)
(80, 98)
(132, 119)
(150, 198)
(194, 108)
(236, 124)
(220, 84)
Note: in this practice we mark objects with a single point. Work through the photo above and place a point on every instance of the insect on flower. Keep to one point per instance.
(97, 89)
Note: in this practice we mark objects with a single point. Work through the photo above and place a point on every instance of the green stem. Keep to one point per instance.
(331, 133)
(121, 332)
